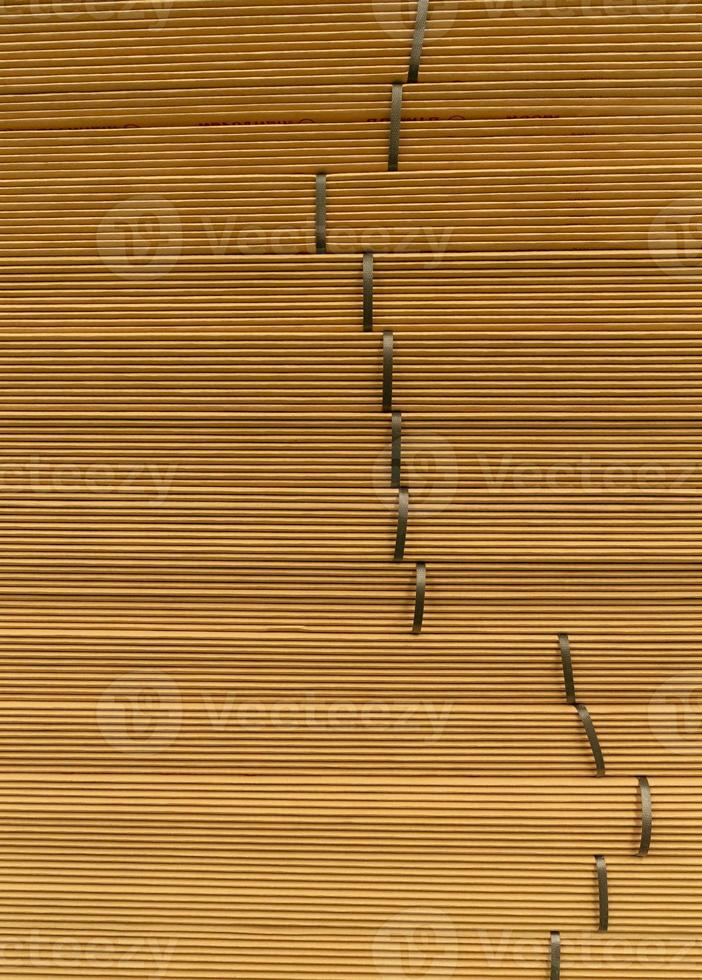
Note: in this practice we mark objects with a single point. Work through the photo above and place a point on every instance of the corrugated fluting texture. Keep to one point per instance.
(350, 490)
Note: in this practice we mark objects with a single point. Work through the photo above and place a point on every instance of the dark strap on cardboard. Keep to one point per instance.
(646, 815)
(602, 892)
(320, 220)
(395, 123)
(420, 26)
(420, 591)
(367, 291)
(388, 357)
(402, 519)
(567, 664)
(396, 455)
(592, 738)
(555, 956)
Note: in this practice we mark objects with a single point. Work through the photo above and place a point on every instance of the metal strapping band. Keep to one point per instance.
(402, 519)
(591, 737)
(320, 220)
(395, 123)
(646, 815)
(420, 25)
(555, 956)
(567, 663)
(388, 357)
(396, 454)
(420, 592)
(602, 892)
(367, 291)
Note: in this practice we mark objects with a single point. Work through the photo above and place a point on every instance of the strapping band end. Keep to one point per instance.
(602, 892)
(395, 125)
(396, 451)
(646, 816)
(419, 597)
(388, 368)
(368, 263)
(567, 665)
(555, 955)
(320, 224)
(402, 518)
(420, 25)
(592, 738)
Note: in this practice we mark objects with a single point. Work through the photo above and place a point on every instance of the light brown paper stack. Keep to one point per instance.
(239, 738)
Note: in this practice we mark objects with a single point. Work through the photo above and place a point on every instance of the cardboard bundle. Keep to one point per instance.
(643, 604)
(202, 660)
(551, 292)
(420, 211)
(67, 47)
(329, 874)
(444, 127)
(603, 374)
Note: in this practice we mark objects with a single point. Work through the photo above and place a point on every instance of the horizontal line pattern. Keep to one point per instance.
(551, 293)
(406, 212)
(201, 44)
(222, 751)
